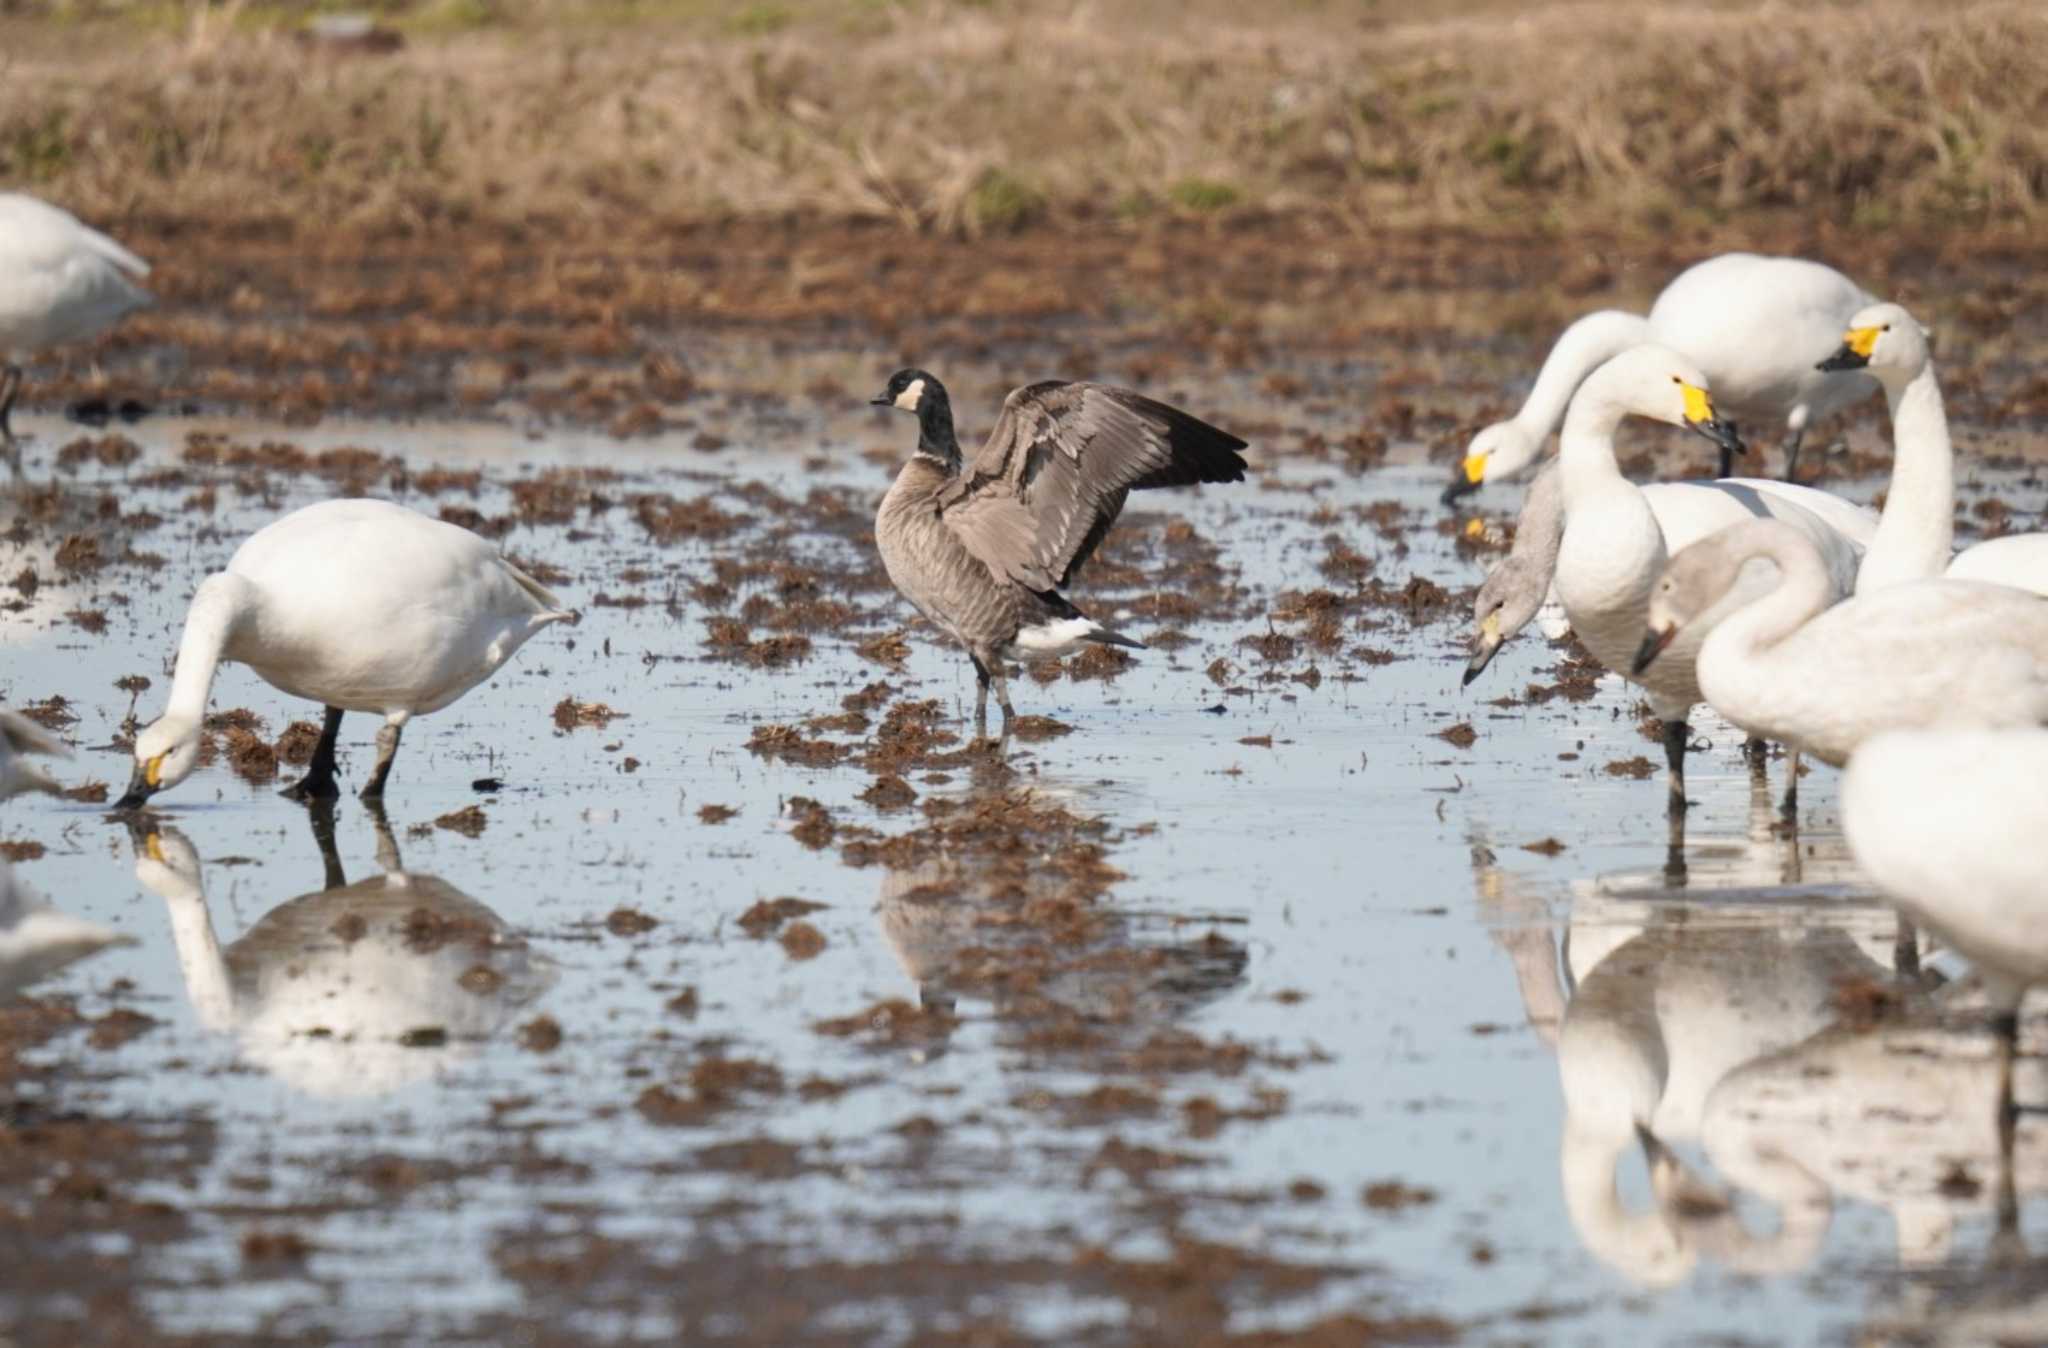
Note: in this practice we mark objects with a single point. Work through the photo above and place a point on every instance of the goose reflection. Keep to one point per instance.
(353, 989)
(949, 923)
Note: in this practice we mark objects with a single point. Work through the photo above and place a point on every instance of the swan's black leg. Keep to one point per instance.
(318, 783)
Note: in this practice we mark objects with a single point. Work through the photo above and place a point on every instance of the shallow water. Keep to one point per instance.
(1244, 1007)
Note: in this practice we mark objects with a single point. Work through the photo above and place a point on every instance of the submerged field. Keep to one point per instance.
(703, 981)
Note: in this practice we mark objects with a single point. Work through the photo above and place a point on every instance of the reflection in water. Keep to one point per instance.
(52, 541)
(354, 989)
(1663, 999)
(1902, 1115)
(965, 925)
(36, 940)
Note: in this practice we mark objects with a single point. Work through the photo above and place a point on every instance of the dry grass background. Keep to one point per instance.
(969, 119)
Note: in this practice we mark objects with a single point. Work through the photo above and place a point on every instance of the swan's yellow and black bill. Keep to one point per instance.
(1654, 642)
(145, 782)
(1483, 647)
(1699, 416)
(1854, 352)
(1466, 478)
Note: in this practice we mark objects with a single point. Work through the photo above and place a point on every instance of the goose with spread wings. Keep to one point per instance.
(984, 548)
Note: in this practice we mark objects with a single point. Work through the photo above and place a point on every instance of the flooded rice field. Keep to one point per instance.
(703, 980)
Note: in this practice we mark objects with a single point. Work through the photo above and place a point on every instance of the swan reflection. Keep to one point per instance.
(353, 989)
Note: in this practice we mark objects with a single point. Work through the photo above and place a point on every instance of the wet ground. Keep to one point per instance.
(706, 983)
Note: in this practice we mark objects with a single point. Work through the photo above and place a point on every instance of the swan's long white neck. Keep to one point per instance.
(1581, 349)
(221, 602)
(1916, 532)
(1803, 590)
(1585, 451)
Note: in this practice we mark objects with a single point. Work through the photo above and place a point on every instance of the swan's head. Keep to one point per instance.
(908, 391)
(1694, 582)
(1496, 454)
(1658, 383)
(1884, 339)
(1504, 606)
(165, 755)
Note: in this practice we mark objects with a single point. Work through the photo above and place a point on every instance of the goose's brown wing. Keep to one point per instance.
(1039, 497)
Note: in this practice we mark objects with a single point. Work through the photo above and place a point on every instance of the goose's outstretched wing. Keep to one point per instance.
(1039, 497)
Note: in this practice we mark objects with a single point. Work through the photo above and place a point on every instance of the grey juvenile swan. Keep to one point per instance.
(983, 549)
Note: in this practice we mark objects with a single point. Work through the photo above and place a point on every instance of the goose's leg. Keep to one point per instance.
(1675, 735)
(1002, 683)
(320, 810)
(980, 696)
(387, 749)
(318, 783)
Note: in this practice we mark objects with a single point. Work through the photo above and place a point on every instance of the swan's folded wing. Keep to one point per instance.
(1042, 493)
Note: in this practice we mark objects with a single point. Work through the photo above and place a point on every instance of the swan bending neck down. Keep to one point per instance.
(1754, 325)
(1917, 530)
(360, 605)
(1928, 653)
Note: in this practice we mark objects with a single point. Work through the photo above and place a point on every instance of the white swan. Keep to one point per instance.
(1613, 547)
(60, 281)
(1519, 588)
(1917, 529)
(361, 605)
(1953, 827)
(19, 738)
(1918, 654)
(331, 991)
(1755, 326)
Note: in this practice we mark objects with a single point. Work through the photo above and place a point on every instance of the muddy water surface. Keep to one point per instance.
(703, 981)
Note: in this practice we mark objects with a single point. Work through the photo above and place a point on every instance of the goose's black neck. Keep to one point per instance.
(935, 438)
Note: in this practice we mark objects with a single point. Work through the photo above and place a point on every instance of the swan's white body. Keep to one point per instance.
(1953, 826)
(1614, 545)
(1520, 587)
(60, 280)
(1754, 326)
(360, 605)
(1917, 530)
(1919, 654)
(324, 989)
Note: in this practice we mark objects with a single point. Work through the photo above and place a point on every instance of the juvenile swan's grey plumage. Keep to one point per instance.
(983, 549)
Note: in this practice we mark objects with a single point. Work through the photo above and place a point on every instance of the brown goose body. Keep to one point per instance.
(984, 548)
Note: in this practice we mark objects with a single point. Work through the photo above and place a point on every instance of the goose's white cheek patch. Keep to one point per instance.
(911, 396)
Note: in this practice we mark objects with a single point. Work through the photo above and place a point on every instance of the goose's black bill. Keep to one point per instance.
(1846, 357)
(1461, 486)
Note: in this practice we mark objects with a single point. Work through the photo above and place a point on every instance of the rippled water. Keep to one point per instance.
(1328, 1038)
